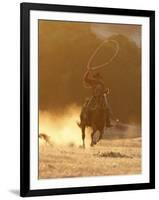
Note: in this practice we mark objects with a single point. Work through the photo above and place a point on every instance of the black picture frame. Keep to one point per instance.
(25, 9)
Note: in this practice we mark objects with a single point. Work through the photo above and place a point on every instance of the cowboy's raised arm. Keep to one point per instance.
(88, 77)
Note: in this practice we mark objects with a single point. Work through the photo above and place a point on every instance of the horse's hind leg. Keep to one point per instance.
(83, 136)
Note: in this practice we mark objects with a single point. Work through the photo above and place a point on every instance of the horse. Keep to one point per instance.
(95, 118)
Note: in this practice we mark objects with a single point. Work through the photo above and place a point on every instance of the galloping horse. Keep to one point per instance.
(95, 118)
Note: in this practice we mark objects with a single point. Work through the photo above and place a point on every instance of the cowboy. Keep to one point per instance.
(95, 81)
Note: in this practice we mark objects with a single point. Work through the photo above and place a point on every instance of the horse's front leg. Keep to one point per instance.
(92, 136)
(83, 136)
(101, 134)
(92, 142)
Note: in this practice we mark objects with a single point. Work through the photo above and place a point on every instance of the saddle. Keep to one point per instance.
(96, 102)
(90, 105)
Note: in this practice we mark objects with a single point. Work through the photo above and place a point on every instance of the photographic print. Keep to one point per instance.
(87, 99)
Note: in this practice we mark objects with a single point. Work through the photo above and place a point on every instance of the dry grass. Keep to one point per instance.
(108, 157)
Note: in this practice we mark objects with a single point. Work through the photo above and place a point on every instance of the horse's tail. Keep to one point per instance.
(79, 124)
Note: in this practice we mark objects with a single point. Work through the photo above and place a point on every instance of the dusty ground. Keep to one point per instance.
(108, 157)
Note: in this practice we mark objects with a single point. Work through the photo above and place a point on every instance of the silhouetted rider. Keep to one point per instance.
(96, 83)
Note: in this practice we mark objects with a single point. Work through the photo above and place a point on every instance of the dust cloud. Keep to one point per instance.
(62, 129)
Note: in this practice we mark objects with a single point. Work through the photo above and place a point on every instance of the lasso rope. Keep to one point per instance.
(104, 64)
(96, 51)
